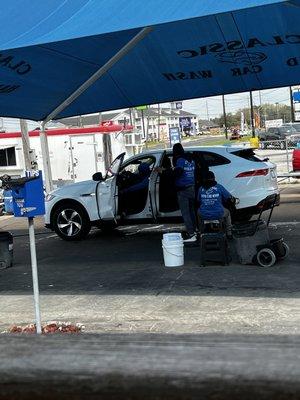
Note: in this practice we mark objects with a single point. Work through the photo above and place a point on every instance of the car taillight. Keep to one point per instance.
(256, 172)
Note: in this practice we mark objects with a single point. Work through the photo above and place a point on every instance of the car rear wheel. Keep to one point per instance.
(71, 222)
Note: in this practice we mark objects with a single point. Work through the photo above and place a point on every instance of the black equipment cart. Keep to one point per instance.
(253, 243)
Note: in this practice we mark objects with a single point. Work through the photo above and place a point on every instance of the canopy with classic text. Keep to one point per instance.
(191, 49)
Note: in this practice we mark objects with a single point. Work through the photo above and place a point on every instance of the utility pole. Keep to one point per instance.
(277, 108)
(224, 115)
(260, 109)
(252, 115)
(207, 112)
(292, 105)
(106, 142)
(158, 128)
(144, 130)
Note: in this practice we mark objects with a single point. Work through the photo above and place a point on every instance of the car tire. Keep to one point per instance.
(71, 222)
(266, 257)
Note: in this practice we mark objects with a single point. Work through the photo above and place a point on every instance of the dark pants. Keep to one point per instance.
(186, 201)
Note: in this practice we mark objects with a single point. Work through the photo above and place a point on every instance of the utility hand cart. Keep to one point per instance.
(253, 243)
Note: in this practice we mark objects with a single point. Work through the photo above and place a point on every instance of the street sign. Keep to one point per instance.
(141, 108)
(185, 122)
(296, 96)
(174, 135)
(273, 123)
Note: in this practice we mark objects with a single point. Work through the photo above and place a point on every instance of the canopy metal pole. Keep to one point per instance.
(25, 144)
(35, 279)
(46, 159)
(101, 71)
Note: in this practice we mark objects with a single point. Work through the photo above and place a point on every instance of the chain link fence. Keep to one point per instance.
(280, 152)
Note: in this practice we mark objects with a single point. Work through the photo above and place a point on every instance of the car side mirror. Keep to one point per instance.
(97, 177)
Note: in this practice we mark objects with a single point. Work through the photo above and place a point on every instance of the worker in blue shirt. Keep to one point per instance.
(184, 172)
(211, 197)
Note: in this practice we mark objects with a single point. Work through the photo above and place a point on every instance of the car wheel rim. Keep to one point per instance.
(266, 258)
(69, 222)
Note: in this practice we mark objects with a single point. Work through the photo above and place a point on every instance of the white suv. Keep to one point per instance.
(73, 209)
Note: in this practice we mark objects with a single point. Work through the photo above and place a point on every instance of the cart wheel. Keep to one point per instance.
(266, 257)
(286, 251)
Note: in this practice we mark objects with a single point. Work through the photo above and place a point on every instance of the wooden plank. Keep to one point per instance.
(137, 366)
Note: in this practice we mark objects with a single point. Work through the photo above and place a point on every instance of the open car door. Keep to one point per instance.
(107, 191)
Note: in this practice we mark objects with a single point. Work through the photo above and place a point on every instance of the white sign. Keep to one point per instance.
(297, 116)
(273, 123)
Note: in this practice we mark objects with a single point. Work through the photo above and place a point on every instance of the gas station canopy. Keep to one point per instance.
(140, 52)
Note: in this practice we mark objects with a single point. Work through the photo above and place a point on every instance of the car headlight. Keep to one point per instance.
(49, 197)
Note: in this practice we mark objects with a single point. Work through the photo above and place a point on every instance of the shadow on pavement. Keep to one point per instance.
(129, 261)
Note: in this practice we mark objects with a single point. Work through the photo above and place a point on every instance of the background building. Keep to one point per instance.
(153, 122)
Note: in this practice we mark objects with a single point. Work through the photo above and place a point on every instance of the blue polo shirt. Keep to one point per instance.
(187, 178)
(211, 201)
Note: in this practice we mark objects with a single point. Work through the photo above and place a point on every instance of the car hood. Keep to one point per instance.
(78, 188)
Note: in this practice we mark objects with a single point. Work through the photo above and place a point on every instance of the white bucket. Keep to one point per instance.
(170, 237)
(172, 245)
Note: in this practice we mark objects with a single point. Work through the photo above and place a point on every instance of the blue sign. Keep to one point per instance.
(296, 96)
(174, 135)
(28, 196)
(185, 122)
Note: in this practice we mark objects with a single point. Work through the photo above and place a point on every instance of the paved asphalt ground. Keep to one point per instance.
(117, 283)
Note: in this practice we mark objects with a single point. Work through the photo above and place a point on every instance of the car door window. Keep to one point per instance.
(133, 165)
(115, 166)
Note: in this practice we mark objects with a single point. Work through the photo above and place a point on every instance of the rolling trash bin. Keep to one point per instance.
(172, 245)
(6, 250)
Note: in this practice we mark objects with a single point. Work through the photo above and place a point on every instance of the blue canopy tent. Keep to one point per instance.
(61, 58)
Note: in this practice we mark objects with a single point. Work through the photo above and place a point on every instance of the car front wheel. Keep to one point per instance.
(71, 222)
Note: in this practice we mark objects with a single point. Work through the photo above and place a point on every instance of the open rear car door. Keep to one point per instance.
(107, 191)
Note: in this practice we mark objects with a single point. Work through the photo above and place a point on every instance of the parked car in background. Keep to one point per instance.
(72, 209)
(235, 135)
(285, 135)
(261, 134)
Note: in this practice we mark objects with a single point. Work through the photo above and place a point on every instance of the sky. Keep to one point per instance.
(211, 107)
(205, 108)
